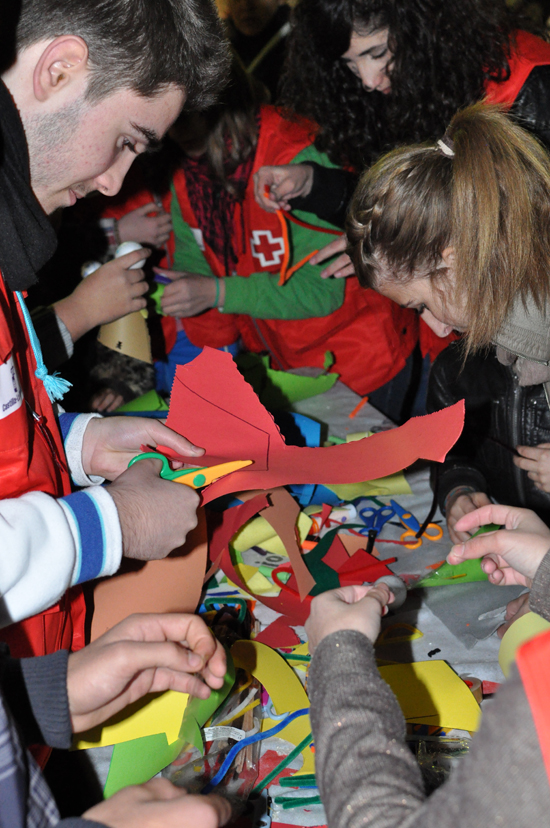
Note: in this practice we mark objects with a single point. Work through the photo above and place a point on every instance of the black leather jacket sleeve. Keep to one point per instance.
(330, 194)
(531, 108)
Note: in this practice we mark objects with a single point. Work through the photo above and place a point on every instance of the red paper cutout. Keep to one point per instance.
(370, 568)
(213, 406)
(278, 634)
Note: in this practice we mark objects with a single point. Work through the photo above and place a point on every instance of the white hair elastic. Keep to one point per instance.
(444, 147)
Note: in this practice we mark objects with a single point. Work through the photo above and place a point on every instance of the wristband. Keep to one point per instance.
(456, 493)
(217, 292)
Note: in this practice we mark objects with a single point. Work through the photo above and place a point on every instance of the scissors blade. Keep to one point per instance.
(203, 476)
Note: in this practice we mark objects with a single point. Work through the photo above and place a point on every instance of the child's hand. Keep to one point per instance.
(511, 555)
(274, 186)
(140, 226)
(348, 608)
(341, 266)
(190, 293)
(143, 654)
(459, 505)
(535, 460)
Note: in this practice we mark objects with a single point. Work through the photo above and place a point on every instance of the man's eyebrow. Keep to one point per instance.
(153, 140)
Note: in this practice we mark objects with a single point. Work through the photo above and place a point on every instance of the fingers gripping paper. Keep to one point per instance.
(214, 407)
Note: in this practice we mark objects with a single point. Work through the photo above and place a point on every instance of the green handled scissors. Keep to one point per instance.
(197, 477)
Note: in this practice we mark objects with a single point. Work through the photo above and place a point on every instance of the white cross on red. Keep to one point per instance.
(268, 250)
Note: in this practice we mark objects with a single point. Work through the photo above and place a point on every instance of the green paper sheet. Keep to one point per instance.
(198, 711)
(137, 761)
(464, 573)
(147, 402)
(279, 389)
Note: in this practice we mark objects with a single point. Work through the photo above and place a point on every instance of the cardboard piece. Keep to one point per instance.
(170, 585)
(214, 407)
(278, 634)
(284, 688)
(128, 335)
(430, 692)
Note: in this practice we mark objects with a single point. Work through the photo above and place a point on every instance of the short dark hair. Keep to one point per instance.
(142, 45)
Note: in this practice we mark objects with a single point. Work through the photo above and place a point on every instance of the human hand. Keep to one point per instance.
(159, 803)
(514, 610)
(108, 293)
(511, 555)
(190, 293)
(143, 654)
(348, 608)
(155, 515)
(535, 460)
(109, 444)
(459, 505)
(106, 400)
(342, 266)
(275, 186)
(140, 226)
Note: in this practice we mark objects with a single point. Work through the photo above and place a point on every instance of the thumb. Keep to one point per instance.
(476, 548)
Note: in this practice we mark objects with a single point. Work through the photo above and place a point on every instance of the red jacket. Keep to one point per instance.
(370, 336)
(32, 459)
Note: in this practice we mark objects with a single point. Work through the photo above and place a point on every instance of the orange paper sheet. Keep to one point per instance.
(214, 407)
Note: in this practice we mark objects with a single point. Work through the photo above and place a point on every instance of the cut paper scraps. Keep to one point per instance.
(278, 634)
(430, 692)
(525, 628)
(284, 688)
(214, 407)
(324, 562)
(393, 484)
(279, 389)
(141, 758)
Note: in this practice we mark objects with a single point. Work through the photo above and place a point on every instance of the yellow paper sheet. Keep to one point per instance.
(155, 713)
(429, 691)
(393, 484)
(517, 634)
(258, 532)
(284, 687)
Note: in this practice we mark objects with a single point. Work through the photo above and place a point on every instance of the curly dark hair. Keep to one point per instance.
(444, 51)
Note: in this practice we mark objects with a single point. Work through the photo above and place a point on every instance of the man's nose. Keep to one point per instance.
(110, 181)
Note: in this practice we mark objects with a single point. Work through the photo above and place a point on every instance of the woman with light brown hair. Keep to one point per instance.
(460, 231)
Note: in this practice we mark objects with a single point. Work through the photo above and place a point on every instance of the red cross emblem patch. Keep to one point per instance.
(268, 250)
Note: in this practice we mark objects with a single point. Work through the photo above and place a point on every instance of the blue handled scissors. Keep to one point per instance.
(374, 520)
(412, 526)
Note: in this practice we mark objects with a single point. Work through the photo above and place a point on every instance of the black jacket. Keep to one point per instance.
(499, 416)
(333, 188)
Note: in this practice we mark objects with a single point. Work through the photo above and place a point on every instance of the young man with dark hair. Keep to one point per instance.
(91, 84)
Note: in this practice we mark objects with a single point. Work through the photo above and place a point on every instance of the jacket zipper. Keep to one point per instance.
(517, 395)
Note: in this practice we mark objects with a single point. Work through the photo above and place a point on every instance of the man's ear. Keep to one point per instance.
(63, 61)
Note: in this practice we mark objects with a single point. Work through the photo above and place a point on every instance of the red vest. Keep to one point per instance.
(370, 336)
(32, 459)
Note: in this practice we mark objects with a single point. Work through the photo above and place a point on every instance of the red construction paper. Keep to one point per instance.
(282, 516)
(232, 519)
(370, 568)
(278, 634)
(214, 407)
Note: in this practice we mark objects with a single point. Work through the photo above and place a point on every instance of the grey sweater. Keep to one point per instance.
(368, 777)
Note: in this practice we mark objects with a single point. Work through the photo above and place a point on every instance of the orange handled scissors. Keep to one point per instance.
(412, 526)
(196, 477)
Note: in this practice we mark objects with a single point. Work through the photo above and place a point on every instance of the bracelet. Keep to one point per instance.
(456, 493)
